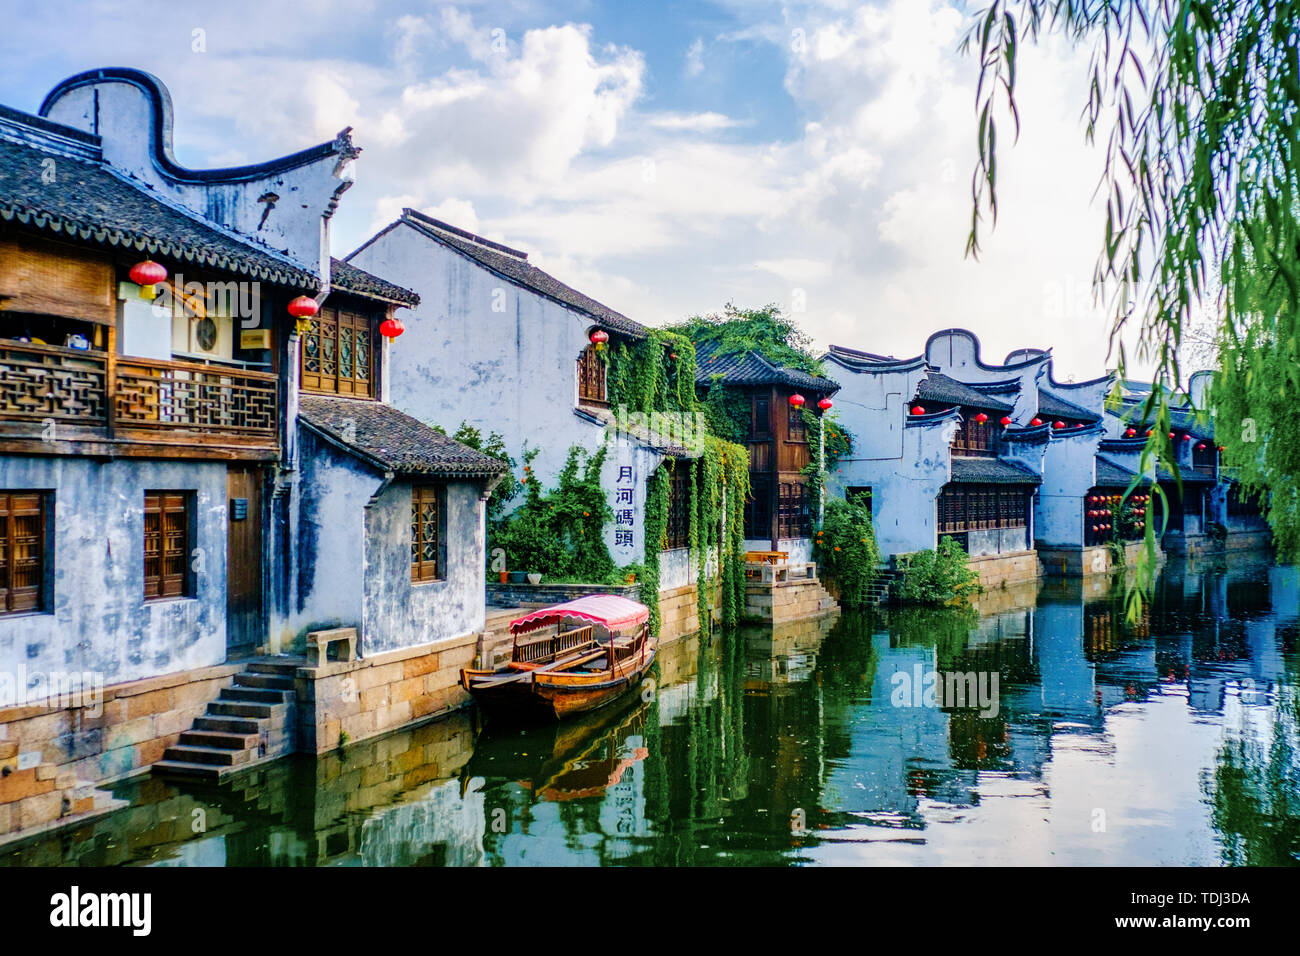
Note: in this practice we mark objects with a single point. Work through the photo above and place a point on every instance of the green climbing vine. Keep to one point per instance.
(658, 375)
(559, 531)
(839, 443)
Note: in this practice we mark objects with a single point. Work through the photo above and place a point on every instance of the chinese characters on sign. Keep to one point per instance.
(624, 515)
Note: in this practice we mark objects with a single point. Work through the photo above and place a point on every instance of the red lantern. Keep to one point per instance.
(981, 418)
(1058, 424)
(303, 307)
(1222, 449)
(146, 275)
(1079, 425)
(1187, 438)
(1171, 436)
(918, 410)
(825, 404)
(797, 400)
(1006, 420)
(1035, 421)
(1200, 446)
(1130, 432)
(599, 338)
(1148, 433)
(391, 328)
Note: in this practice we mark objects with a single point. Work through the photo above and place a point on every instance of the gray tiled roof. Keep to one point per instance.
(997, 471)
(88, 202)
(1182, 419)
(1113, 475)
(751, 368)
(392, 440)
(938, 387)
(1053, 406)
(513, 265)
(346, 277)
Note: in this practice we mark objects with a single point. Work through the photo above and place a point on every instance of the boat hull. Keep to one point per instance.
(542, 696)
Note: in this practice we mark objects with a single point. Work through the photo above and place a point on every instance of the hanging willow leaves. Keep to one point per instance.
(1198, 103)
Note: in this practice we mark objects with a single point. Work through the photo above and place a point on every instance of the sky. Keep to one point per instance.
(664, 158)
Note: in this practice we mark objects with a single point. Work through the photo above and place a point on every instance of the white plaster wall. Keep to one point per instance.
(482, 350)
(905, 465)
(98, 619)
(295, 227)
(956, 354)
(1069, 471)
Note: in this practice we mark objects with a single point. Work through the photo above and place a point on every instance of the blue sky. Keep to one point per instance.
(664, 158)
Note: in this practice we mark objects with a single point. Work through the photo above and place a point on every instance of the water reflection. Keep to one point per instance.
(1172, 739)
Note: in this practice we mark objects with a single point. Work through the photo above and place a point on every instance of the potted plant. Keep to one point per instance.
(534, 578)
(504, 576)
(518, 577)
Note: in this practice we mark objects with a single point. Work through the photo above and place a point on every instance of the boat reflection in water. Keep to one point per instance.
(798, 746)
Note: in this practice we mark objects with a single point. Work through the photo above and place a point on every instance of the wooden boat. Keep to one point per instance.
(568, 659)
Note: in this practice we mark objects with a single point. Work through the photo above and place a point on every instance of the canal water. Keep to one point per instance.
(1082, 739)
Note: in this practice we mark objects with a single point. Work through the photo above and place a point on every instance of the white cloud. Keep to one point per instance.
(543, 138)
(692, 122)
(694, 64)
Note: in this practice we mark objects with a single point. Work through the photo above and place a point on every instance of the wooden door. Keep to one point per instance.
(245, 624)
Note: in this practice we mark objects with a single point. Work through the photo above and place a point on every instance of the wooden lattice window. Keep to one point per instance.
(591, 378)
(22, 551)
(677, 531)
(427, 533)
(794, 511)
(972, 437)
(797, 431)
(982, 507)
(758, 509)
(166, 544)
(336, 354)
(760, 421)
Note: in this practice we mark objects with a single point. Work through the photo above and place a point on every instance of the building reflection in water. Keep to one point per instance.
(789, 745)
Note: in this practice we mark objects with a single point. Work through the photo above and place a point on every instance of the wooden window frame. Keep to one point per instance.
(15, 506)
(593, 385)
(981, 507)
(169, 560)
(329, 326)
(760, 425)
(794, 510)
(426, 570)
(796, 430)
(973, 440)
(677, 524)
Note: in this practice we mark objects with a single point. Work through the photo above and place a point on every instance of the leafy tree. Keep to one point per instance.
(1199, 105)
(846, 551)
(768, 331)
(938, 576)
(495, 446)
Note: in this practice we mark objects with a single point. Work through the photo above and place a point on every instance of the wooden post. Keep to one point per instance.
(110, 382)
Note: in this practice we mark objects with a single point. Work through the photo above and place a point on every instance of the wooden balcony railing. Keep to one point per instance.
(123, 398)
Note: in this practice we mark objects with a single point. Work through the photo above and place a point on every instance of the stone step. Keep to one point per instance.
(229, 725)
(191, 753)
(287, 667)
(236, 708)
(219, 739)
(186, 768)
(253, 695)
(265, 681)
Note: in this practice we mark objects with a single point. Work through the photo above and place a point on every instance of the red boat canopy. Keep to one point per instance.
(610, 610)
